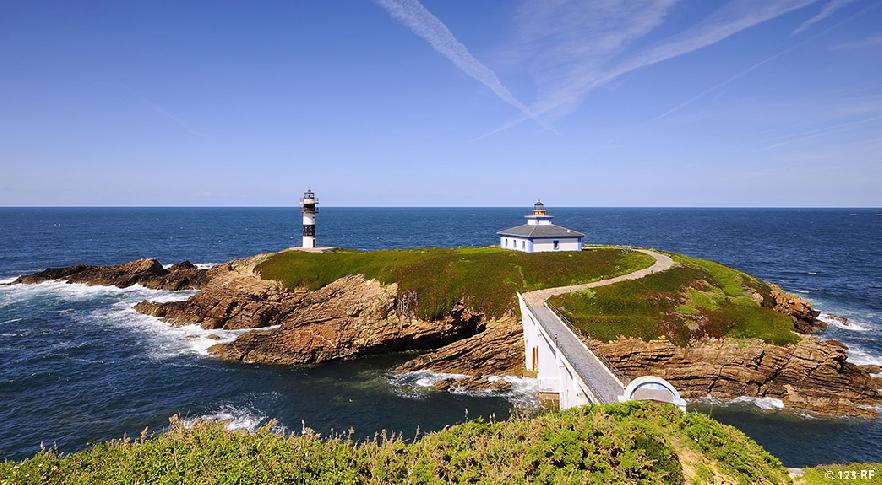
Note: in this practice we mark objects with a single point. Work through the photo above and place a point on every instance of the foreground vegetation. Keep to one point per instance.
(485, 279)
(621, 443)
(697, 299)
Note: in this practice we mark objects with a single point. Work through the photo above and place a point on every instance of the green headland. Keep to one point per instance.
(697, 299)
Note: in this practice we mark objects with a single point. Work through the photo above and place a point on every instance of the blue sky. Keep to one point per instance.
(442, 103)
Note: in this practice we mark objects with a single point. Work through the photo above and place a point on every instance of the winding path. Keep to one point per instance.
(603, 383)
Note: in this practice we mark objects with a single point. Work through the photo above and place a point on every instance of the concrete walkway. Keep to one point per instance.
(602, 382)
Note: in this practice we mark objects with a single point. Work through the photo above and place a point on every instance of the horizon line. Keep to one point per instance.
(432, 207)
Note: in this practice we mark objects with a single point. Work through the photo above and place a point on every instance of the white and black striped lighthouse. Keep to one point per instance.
(308, 207)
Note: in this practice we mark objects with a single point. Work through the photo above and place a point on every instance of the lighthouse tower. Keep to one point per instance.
(309, 209)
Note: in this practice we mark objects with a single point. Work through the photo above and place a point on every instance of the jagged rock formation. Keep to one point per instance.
(145, 272)
(350, 317)
(805, 318)
(811, 375)
(497, 351)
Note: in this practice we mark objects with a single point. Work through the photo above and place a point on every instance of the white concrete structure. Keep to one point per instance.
(539, 235)
(309, 209)
(651, 388)
(553, 370)
(567, 369)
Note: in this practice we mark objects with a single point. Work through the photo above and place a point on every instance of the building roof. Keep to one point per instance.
(539, 230)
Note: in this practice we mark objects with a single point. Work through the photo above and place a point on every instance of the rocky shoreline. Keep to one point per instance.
(354, 316)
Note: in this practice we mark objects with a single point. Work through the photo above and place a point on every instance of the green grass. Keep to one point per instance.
(622, 443)
(485, 279)
(857, 473)
(697, 299)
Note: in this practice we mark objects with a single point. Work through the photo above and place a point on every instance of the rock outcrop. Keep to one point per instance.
(145, 272)
(805, 318)
(233, 297)
(497, 351)
(811, 375)
(349, 317)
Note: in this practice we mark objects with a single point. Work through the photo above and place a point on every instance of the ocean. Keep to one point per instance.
(79, 365)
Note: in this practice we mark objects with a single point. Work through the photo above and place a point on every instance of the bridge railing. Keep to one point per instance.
(603, 360)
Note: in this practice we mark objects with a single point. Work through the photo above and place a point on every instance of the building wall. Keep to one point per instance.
(540, 245)
(516, 244)
(564, 244)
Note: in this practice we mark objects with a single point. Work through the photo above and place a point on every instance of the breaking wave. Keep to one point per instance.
(116, 308)
(417, 384)
(764, 403)
(850, 324)
(233, 418)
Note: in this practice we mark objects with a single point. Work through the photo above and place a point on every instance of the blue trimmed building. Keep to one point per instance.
(539, 235)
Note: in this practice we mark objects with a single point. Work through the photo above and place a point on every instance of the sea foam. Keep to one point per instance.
(233, 418)
(117, 309)
(854, 325)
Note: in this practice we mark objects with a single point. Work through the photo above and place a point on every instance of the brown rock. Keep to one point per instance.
(805, 318)
(497, 351)
(812, 375)
(144, 272)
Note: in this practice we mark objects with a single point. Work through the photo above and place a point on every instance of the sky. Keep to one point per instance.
(769, 103)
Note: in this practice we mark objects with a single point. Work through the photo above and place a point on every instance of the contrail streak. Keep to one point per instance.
(421, 22)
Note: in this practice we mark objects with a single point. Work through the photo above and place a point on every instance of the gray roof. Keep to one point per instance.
(539, 230)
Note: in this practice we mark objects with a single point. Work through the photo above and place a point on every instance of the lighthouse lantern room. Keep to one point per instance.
(308, 207)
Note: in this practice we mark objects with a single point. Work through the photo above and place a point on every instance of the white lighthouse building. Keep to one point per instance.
(539, 235)
(308, 207)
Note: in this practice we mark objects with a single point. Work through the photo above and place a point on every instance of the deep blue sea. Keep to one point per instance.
(79, 365)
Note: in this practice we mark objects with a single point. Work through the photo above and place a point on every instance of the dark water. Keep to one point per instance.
(79, 364)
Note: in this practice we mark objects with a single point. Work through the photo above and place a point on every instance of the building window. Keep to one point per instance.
(523, 245)
(556, 245)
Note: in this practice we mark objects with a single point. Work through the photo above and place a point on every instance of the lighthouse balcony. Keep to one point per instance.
(309, 208)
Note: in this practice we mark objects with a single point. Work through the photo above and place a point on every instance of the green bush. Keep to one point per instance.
(623, 443)
(486, 279)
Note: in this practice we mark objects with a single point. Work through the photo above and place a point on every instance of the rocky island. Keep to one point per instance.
(710, 330)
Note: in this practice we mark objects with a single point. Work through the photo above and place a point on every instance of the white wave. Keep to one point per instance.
(417, 384)
(523, 389)
(6, 281)
(424, 378)
(197, 265)
(13, 320)
(233, 418)
(80, 291)
(860, 356)
(764, 403)
(167, 340)
(849, 325)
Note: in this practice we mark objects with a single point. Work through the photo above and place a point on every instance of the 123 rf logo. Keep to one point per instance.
(851, 475)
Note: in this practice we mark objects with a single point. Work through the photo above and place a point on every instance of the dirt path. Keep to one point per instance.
(662, 263)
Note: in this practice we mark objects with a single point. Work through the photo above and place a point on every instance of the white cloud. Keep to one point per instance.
(420, 21)
(873, 41)
(825, 12)
(579, 46)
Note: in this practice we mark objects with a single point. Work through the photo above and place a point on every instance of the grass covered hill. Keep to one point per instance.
(696, 299)
(622, 443)
(485, 279)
